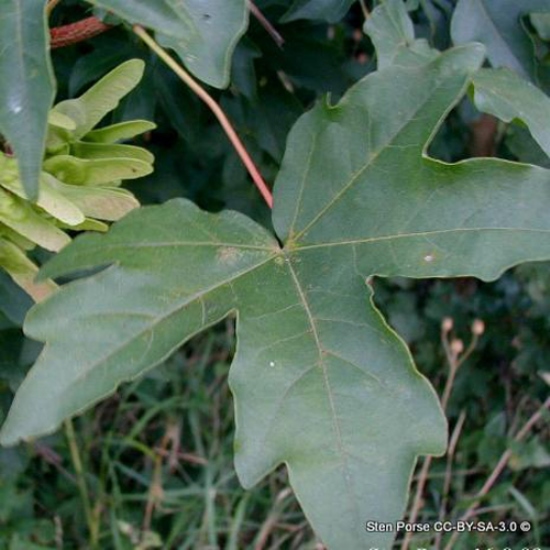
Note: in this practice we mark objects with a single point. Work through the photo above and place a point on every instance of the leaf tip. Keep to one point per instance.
(137, 64)
(30, 181)
(474, 53)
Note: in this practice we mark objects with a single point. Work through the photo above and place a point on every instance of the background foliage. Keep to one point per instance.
(157, 455)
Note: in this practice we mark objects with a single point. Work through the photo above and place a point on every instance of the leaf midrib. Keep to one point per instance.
(367, 240)
(321, 363)
(176, 244)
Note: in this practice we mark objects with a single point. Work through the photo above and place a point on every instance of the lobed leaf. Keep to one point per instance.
(321, 382)
(391, 30)
(203, 33)
(134, 330)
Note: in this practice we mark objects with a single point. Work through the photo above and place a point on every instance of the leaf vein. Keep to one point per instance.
(322, 365)
(418, 234)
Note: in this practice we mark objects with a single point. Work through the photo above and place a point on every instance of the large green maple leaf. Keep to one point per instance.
(321, 382)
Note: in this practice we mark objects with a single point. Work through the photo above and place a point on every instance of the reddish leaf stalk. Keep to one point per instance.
(216, 110)
(67, 35)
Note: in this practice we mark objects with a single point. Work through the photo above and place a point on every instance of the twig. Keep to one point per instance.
(448, 474)
(264, 22)
(58, 532)
(497, 470)
(51, 457)
(454, 351)
(271, 520)
(156, 491)
(417, 501)
(215, 108)
(484, 136)
(81, 482)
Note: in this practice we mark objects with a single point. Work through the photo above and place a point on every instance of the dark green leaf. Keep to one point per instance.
(203, 33)
(498, 25)
(392, 33)
(26, 85)
(14, 303)
(504, 94)
(325, 10)
(521, 144)
(541, 23)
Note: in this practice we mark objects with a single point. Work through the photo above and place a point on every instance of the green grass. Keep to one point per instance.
(157, 456)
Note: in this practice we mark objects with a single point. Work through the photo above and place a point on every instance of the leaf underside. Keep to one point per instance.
(321, 383)
(203, 33)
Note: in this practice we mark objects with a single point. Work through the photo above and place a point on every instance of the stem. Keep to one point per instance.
(272, 519)
(81, 482)
(417, 502)
(454, 363)
(264, 22)
(469, 350)
(215, 108)
(448, 475)
(497, 470)
(453, 368)
(155, 489)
